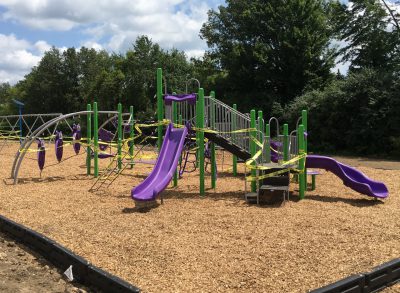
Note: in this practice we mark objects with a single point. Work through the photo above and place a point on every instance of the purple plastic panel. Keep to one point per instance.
(59, 145)
(76, 136)
(191, 98)
(105, 136)
(41, 154)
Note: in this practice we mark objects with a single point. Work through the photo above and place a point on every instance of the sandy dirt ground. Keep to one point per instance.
(22, 271)
(214, 243)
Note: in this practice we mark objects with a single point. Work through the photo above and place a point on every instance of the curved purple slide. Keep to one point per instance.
(165, 167)
(351, 177)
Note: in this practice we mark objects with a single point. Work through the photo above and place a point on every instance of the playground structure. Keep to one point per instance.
(247, 137)
(269, 159)
(277, 143)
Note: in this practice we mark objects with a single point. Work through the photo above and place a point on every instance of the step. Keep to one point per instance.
(251, 195)
(274, 187)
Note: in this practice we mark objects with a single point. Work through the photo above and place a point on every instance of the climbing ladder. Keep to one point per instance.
(111, 173)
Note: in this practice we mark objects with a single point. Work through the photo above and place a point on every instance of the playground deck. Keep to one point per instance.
(217, 243)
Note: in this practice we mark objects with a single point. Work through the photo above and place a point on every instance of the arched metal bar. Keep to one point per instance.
(298, 122)
(292, 135)
(19, 158)
(277, 124)
(189, 80)
(26, 140)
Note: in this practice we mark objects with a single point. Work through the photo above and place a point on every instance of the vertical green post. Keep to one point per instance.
(200, 115)
(253, 134)
(260, 131)
(89, 139)
(268, 143)
(96, 139)
(302, 175)
(160, 107)
(119, 143)
(312, 182)
(131, 135)
(234, 158)
(175, 120)
(285, 142)
(212, 146)
(305, 125)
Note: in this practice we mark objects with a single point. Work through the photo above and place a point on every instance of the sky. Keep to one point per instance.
(28, 28)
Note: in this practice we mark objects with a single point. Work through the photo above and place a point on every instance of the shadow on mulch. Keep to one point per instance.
(356, 202)
(137, 210)
(210, 194)
(46, 179)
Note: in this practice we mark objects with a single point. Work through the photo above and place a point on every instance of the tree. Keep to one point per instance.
(357, 115)
(139, 68)
(369, 30)
(271, 50)
(4, 97)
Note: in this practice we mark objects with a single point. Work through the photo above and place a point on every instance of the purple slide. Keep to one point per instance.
(165, 167)
(351, 177)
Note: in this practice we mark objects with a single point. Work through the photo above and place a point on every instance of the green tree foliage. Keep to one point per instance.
(5, 98)
(139, 67)
(63, 81)
(370, 32)
(66, 81)
(270, 50)
(358, 114)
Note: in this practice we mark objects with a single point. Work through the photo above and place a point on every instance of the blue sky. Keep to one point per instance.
(30, 27)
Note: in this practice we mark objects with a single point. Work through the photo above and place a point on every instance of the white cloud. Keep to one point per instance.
(42, 46)
(17, 57)
(105, 24)
(114, 25)
(92, 45)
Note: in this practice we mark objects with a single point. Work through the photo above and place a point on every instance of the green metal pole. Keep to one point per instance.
(253, 147)
(313, 184)
(200, 113)
(268, 143)
(260, 131)
(119, 143)
(234, 158)
(160, 107)
(304, 121)
(302, 175)
(285, 142)
(175, 120)
(213, 158)
(89, 139)
(131, 135)
(96, 139)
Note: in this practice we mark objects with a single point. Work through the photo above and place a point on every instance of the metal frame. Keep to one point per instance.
(36, 133)
(24, 119)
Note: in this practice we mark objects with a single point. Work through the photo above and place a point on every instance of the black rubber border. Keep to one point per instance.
(61, 257)
(87, 274)
(380, 277)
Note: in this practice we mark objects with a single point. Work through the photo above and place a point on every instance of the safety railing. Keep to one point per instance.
(224, 119)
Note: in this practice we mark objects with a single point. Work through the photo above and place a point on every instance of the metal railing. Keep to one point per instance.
(224, 119)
